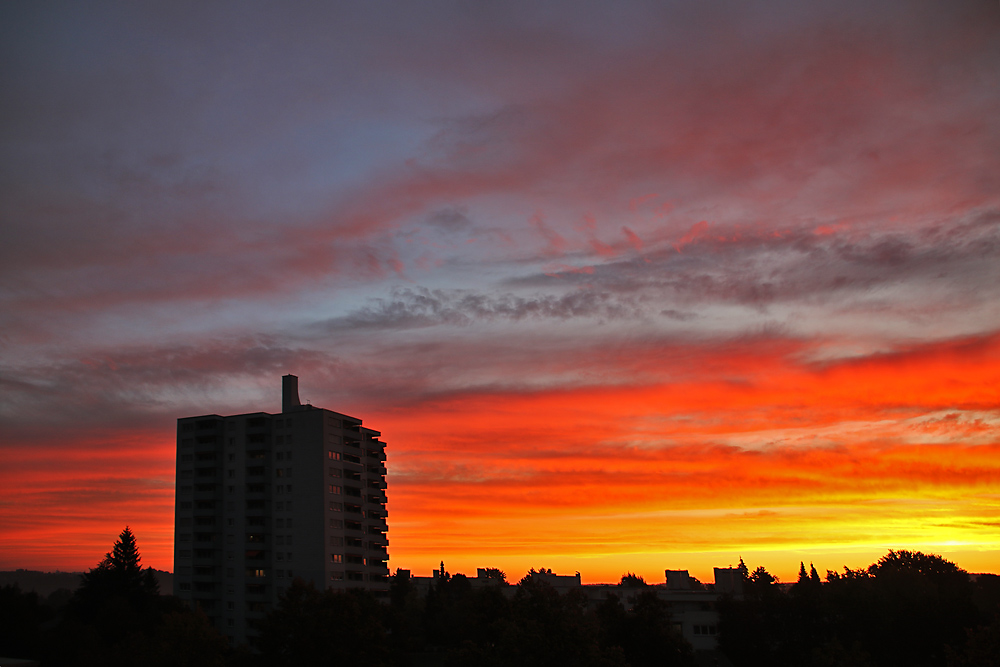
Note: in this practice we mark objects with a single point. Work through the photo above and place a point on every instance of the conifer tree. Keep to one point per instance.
(120, 573)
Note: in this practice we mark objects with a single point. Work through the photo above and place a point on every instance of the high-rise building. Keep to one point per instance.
(262, 499)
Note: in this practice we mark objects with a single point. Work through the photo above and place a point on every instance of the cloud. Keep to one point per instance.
(409, 308)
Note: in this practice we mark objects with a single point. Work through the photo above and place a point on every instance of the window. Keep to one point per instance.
(333, 456)
(289, 524)
(279, 456)
(335, 472)
(336, 576)
(279, 473)
(335, 490)
(280, 506)
(279, 523)
(337, 558)
(280, 539)
(288, 506)
(288, 455)
(336, 523)
(355, 559)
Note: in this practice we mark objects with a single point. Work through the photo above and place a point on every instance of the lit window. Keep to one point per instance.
(337, 558)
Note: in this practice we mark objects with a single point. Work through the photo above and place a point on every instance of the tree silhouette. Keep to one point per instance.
(118, 618)
(632, 580)
(120, 573)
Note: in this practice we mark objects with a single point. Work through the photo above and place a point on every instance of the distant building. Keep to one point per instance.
(262, 499)
(693, 605)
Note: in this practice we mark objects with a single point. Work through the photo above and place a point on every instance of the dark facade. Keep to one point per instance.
(262, 499)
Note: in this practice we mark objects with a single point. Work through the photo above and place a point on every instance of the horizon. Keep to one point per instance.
(625, 288)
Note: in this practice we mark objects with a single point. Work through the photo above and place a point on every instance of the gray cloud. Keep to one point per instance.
(757, 267)
(418, 307)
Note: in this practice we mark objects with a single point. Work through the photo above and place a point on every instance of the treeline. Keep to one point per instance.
(908, 608)
(456, 624)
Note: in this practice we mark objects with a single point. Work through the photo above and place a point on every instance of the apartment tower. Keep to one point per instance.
(262, 499)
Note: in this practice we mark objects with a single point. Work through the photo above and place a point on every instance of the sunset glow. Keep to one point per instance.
(639, 287)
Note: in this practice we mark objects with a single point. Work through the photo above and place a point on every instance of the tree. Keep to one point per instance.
(120, 573)
(118, 617)
(311, 627)
(632, 580)
(496, 574)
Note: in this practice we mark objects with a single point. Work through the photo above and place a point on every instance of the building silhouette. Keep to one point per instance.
(262, 499)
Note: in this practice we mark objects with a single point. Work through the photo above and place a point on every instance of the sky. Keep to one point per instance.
(625, 286)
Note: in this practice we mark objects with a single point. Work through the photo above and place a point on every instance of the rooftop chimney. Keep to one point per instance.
(290, 393)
